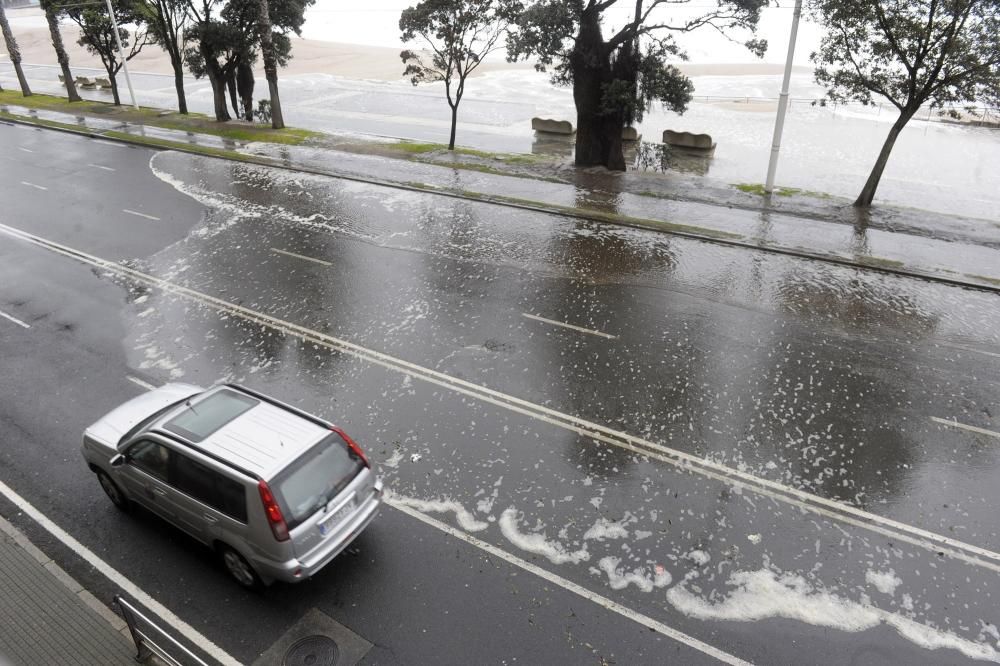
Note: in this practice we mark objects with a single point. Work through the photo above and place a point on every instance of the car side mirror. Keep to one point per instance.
(117, 461)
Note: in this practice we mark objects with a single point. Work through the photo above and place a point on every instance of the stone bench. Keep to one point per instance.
(102, 83)
(85, 82)
(548, 126)
(689, 141)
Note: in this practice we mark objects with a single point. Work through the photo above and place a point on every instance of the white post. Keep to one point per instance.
(121, 54)
(779, 123)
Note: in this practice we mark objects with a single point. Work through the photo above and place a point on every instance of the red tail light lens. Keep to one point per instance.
(273, 512)
(352, 445)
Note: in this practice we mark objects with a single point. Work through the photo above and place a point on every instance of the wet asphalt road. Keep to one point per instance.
(835, 522)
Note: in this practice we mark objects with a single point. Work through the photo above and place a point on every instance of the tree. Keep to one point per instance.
(460, 34)
(267, 50)
(227, 34)
(13, 51)
(615, 80)
(97, 34)
(49, 7)
(166, 20)
(911, 53)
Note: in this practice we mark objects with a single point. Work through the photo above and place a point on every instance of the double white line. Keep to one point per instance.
(832, 509)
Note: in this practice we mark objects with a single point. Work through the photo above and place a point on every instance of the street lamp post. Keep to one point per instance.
(779, 123)
(121, 54)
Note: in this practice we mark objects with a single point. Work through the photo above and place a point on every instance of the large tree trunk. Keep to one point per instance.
(14, 51)
(61, 56)
(114, 89)
(598, 134)
(454, 123)
(178, 66)
(234, 99)
(868, 191)
(218, 81)
(244, 86)
(270, 63)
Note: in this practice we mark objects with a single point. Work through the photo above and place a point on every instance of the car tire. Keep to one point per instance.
(240, 570)
(113, 492)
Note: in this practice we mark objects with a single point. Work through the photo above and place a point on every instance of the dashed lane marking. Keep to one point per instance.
(148, 217)
(102, 167)
(139, 382)
(962, 426)
(37, 187)
(14, 319)
(688, 462)
(26, 150)
(300, 256)
(570, 326)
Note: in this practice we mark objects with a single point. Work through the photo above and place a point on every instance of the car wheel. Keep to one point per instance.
(113, 492)
(240, 570)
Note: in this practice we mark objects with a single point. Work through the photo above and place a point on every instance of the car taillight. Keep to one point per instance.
(273, 512)
(353, 446)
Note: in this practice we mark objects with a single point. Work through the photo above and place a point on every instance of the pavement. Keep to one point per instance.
(948, 249)
(46, 617)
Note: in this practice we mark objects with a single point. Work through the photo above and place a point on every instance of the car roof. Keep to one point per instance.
(261, 440)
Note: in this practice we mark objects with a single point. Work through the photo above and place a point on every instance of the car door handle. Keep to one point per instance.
(160, 491)
(210, 518)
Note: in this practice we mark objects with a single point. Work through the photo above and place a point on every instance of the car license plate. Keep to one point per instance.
(328, 523)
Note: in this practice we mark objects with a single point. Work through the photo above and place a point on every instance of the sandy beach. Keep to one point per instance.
(309, 56)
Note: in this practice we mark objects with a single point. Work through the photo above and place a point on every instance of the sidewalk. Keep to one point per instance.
(953, 250)
(48, 618)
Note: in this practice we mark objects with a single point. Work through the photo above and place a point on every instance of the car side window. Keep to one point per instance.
(150, 457)
(209, 487)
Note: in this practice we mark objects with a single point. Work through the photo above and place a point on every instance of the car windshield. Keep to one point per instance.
(315, 478)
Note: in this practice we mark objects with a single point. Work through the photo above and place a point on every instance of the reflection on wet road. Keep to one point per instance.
(750, 446)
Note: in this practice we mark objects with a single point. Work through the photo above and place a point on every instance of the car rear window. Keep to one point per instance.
(204, 417)
(315, 478)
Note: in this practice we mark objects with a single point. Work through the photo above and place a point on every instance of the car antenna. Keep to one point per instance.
(191, 407)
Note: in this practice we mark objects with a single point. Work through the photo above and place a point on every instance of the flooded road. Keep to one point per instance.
(784, 460)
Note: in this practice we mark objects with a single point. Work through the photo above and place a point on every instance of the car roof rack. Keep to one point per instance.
(208, 454)
(281, 405)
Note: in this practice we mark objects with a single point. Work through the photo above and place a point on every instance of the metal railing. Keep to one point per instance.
(150, 639)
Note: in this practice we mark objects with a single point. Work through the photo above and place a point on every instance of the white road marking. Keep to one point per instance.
(956, 424)
(139, 382)
(301, 256)
(14, 319)
(833, 509)
(100, 166)
(27, 150)
(575, 328)
(570, 586)
(132, 212)
(37, 187)
(110, 143)
(120, 581)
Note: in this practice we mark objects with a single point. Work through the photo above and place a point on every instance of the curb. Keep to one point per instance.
(536, 207)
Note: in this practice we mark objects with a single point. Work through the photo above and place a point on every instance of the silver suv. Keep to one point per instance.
(277, 492)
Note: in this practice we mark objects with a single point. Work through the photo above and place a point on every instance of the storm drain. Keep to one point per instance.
(315, 640)
(312, 651)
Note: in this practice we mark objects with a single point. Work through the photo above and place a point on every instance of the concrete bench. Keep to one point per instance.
(85, 82)
(689, 141)
(102, 83)
(548, 126)
(630, 134)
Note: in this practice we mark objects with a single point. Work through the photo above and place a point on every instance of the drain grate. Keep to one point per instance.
(312, 651)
